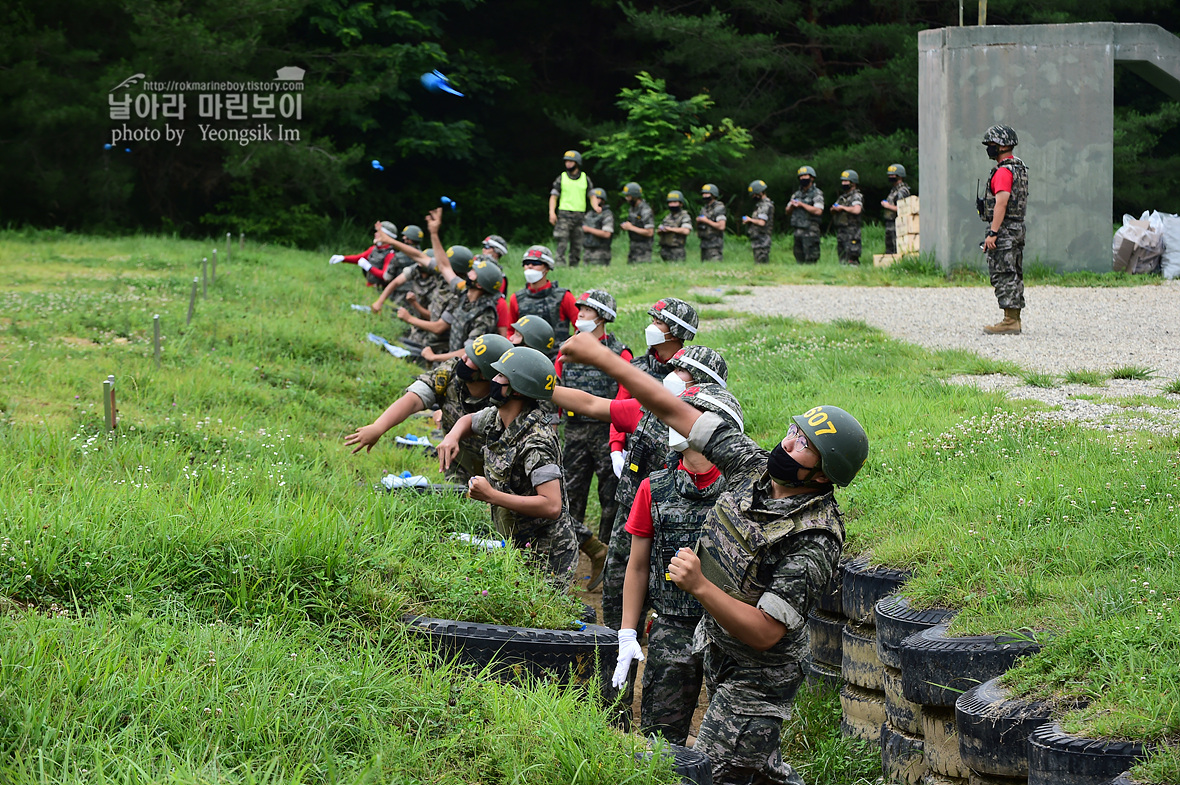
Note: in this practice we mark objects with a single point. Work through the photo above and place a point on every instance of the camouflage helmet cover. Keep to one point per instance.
(389, 228)
(680, 317)
(705, 365)
(1002, 135)
(717, 399)
(496, 243)
(539, 253)
(601, 302)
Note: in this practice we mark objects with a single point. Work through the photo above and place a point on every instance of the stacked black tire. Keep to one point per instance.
(825, 627)
(862, 698)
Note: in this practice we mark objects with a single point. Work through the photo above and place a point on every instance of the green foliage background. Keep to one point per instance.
(829, 82)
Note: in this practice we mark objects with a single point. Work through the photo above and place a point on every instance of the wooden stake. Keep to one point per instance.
(227, 246)
(156, 331)
(204, 277)
(110, 415)
(192, 303)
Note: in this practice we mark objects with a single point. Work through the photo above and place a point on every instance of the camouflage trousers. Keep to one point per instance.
(742, 729)
(806, 247)
(552, 551)
(673, 253)
(848, 244)
(596, 255)
(568, 234)
(761, 248)
(672, 677)
(1005, 264)
(712, 253)
(639, 251)
(586, 455)
(890, 237)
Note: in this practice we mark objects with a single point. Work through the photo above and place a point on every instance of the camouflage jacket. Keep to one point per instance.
(898, 192)
(676, 220)
(845, 220)
(517, 459)
(710, 237)
(587, 378)
(764, 210)
(470, 319)
(801, 219)
(604, 221)
(640, 214)
(443, 386)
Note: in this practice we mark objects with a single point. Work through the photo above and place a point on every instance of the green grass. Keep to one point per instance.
(1042, 380)
(227, 506)
(1081, 376)
(1134, 372)
(813, 744)
(1172, 387)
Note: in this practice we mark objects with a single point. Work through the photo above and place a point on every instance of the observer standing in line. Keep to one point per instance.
(568, 198)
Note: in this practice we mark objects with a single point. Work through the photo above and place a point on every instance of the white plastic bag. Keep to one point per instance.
(1171, 255)
(1138, 244)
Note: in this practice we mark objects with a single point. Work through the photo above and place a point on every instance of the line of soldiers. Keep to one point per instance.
(728, 542)
(582, 219)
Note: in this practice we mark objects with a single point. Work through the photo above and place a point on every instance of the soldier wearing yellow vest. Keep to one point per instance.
(567, 207)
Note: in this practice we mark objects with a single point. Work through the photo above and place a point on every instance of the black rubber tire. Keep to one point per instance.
(975, 778)
(694, 767)
(936, 669)
(994, 728)
(510, 653)
(1056, 758)
(862, 712)
(934, 778)
(902, 760)
(860, 665)
(832, 599)
(826, 631)
(865, 586)
(824, 673)
(942, 742)
(902, 714)
(1125, 779)
(896, 621)
(589, 615)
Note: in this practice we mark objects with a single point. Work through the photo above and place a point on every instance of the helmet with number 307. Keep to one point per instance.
(485, 350)
(841, 440)
(529, 372)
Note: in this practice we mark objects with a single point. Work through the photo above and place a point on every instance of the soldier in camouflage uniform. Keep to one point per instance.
(1003, 210)
(805, 210)
(761, 221)
(379, 261)
(674, 229)
(542, 297)
(599, 229)
(766, 552)
(432, 334)
(524, 480)
(473, 313)
(567, 208)
(640, 224)
(711, 224)
(898, 190)
(846, 217)
(460, 386)
(667, 515)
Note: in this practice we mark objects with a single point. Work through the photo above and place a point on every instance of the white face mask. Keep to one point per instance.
(654, 335)
(586, 325)
(676, 441)
(532, 276)
(674, 384)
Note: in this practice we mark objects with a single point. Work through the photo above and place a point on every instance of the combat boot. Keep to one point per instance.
(1010, 325)
(595, 549)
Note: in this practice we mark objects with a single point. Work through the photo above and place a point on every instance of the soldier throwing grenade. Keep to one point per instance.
(1003, 209)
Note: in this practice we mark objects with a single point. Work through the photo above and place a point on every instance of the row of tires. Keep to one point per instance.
(934, 702)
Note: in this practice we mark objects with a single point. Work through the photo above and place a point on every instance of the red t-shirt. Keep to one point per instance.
(625, 414)
(639, 522)
(502, 317)
(568, 308)
(1002, 180)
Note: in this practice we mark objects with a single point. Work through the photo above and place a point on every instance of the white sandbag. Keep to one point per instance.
(1170, 262)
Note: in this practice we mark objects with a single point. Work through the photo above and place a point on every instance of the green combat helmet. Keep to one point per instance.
(807, 171)
(529, 372)
(842, 443)
(536, 333)
(708, 189)
(895, 170)
(573, 155)
(633, 190)
(413, 234)
(675, 196)
(680, 317)
(488, 275)
(1001, 135)
(539, 253)
(460, 257)
(705, 365)
(756, 187)
(715, 398)
(600, 193)
(851, 176)
(485, 350)
(601, 302)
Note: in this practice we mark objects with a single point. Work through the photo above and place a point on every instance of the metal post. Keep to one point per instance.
(106, 403)
(156, 331)
(114, 408)
(192, 303)
(213, 271)
(982, 12)
(204, 277)
(241, 240)
(960, 13)
(227, 247)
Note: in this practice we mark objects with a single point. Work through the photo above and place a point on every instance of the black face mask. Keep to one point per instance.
(675, 209)
(498, 396)
(993, 151)
(785, 470)
(804, 184)
(844, 187)
(466, 372)
(893, 180)
(706, 199)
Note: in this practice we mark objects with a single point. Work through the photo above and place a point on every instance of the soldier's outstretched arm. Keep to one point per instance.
(583, 403)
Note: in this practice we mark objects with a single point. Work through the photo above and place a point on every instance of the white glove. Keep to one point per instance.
(364, 264)
(336, 259)
(616, 461)
(629, 650)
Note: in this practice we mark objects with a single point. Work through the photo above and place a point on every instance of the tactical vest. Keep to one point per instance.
(573, 192)
(498, 465)
(545, 304)
(764, 210)
(674, 221)
(735, 543)
(1018, 201)
(587, 378)
(842, 219)
(652, 366)
(678, 511)
(896, 194)
(710, 237)
(598, 221)
(464, 313)
(647, 450)
(376, 258)
(800, 218)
